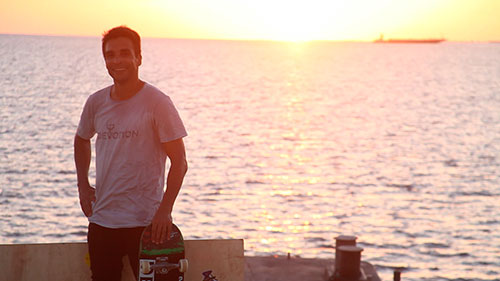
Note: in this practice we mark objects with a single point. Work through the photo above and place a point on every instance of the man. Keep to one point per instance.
(137, 128)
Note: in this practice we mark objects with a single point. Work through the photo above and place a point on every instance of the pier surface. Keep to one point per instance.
(281, 268)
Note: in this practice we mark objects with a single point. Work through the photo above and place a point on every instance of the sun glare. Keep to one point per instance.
(297, 20)
(278, 20)
(314, 19)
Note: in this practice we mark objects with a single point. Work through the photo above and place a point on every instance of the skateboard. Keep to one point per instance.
(165, 261)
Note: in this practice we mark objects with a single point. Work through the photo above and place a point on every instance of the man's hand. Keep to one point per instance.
(161, 225)
(87, 197)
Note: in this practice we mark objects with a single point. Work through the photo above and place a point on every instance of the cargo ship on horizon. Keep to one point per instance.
(425, 41)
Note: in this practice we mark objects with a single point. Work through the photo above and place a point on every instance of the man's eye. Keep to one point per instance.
(125, 54)
(109, 56)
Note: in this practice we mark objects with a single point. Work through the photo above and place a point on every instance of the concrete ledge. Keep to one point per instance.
(69, 261)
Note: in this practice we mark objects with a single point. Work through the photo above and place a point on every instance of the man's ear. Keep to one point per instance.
(139, 60)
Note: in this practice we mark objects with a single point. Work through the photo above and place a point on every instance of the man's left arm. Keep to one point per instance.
(162, 221)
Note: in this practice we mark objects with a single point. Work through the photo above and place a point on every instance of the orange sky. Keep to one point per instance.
(364, 20)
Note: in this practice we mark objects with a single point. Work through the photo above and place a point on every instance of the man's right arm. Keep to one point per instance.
(82, 162)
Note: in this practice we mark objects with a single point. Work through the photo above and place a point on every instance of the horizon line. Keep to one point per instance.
(245, 39)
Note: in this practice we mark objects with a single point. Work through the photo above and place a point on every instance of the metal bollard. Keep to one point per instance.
(342, 240)
(397, 275)
(349, 263)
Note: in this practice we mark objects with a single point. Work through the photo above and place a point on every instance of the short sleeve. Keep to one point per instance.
(86, 128)
(167, 121)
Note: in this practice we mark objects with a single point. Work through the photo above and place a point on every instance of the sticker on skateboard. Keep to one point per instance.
(207, 276)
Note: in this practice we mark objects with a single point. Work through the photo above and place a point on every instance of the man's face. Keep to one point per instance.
(121, 61)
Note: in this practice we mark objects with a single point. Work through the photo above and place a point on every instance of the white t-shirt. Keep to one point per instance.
(130, 162)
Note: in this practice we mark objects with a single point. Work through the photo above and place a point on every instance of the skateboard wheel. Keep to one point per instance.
(183, 265)
(145, 267)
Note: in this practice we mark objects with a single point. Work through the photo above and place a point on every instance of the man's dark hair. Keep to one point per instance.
(123, 31)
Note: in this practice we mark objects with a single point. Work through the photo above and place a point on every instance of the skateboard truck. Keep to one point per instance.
(162, 266)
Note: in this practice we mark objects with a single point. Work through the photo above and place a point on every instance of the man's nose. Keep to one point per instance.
(114, 59)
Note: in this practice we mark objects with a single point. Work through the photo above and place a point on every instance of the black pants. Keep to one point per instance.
(107, 247)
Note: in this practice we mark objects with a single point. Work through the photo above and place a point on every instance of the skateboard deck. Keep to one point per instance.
(162, 262)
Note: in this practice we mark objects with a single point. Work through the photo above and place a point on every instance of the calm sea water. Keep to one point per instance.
(289, 146)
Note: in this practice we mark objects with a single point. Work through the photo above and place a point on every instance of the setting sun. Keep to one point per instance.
(295, 21)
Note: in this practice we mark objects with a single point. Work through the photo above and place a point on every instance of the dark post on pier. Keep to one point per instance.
(348, 265)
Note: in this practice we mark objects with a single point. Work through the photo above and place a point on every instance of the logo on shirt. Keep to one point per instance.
(114, 135)
(110, 125)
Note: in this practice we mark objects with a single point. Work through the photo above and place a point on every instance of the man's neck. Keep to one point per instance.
(123, 91)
